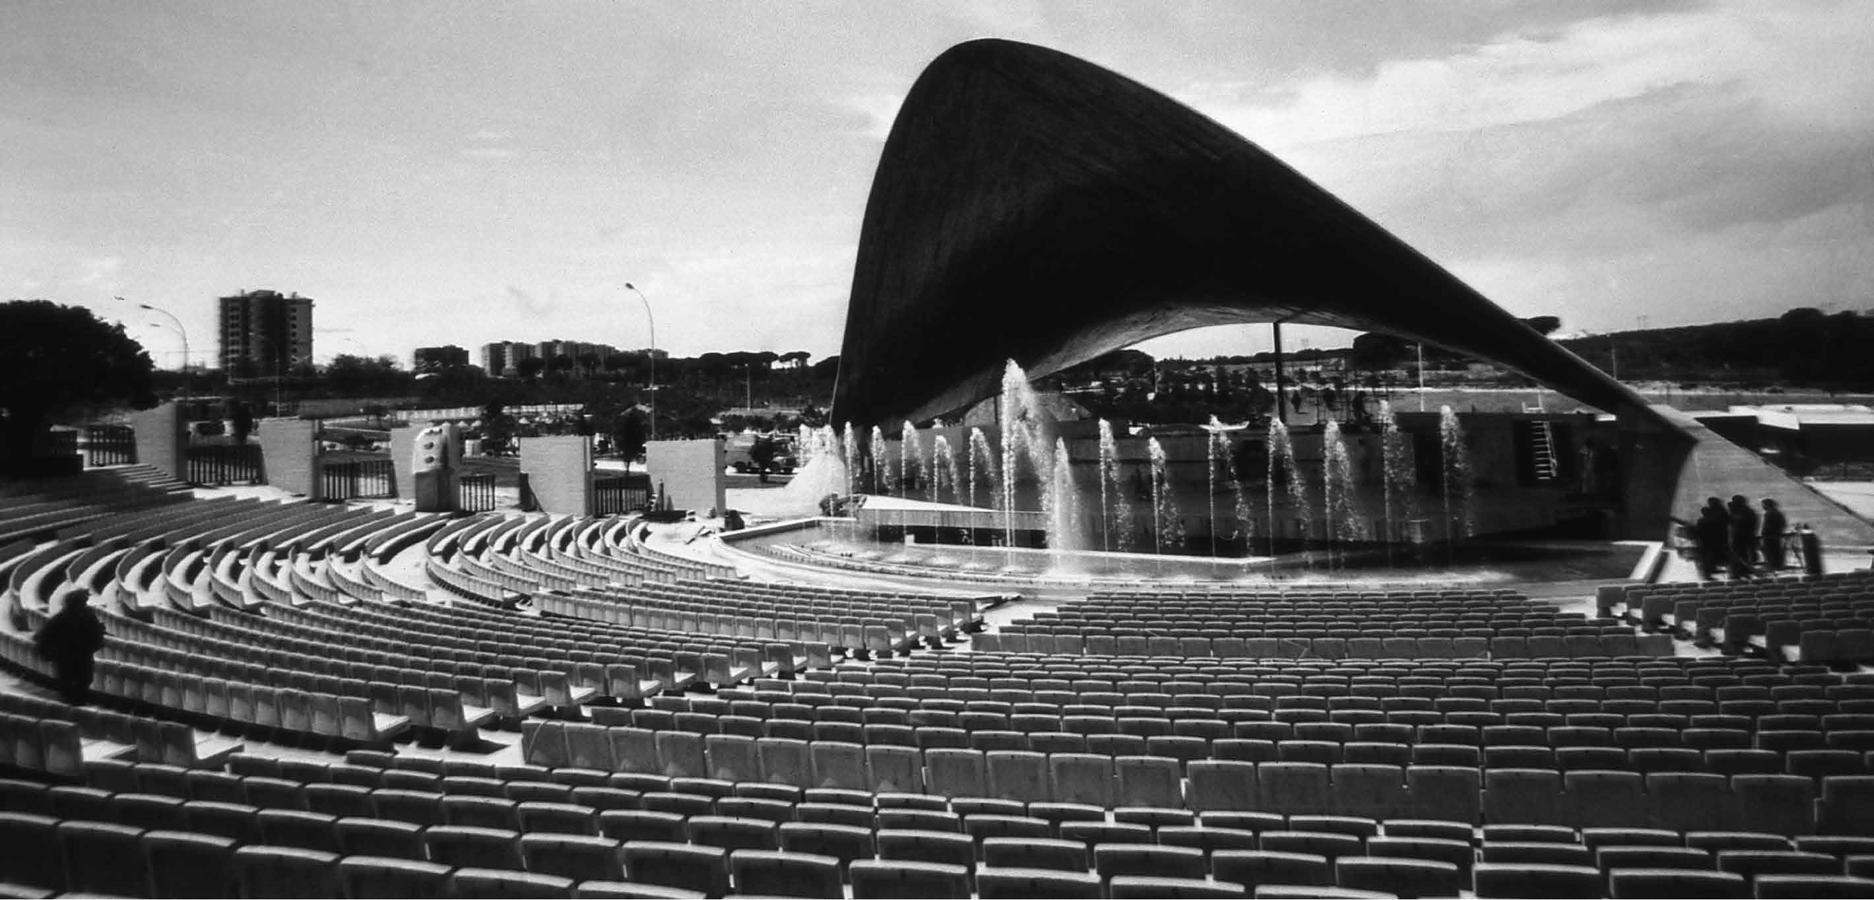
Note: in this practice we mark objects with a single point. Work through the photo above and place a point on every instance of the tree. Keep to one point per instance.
(529, 368)
(628, 435)
(242, 418)
(1374, 350)
(1544, 325)
(59, 360)
(762, 454)
(497, 426)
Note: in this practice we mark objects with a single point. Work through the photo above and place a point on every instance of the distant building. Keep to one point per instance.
(504, 357)
(436, 359)
(264, 333)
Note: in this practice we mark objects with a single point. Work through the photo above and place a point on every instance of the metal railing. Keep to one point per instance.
(358, 479)
(477, 492)
(614, 494)
(219, 464)
(109, 445)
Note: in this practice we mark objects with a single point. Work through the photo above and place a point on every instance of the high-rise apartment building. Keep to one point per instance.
(264, 333)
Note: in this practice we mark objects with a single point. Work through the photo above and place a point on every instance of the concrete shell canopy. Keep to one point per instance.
(1032, 206)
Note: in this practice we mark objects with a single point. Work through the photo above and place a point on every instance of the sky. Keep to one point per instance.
(466, 172)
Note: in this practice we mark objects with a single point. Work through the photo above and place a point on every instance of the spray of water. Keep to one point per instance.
(1456, 475)
(849, 440)
(1115, 505)
(982, 469)
(1239, 504)
(944, 472)
(911, 462)
(881, 462)
(1167, 525)
(1282, 470)
(1397, 473)
(1337, 489)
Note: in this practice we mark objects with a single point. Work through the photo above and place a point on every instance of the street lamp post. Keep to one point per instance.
(653, 321)
(179, 329)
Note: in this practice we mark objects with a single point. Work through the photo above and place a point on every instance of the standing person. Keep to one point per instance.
(1775, 528)
(70, 639)
(1743, 534)
(1711, 530)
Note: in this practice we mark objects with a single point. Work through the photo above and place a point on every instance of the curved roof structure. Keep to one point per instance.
(1033, 206)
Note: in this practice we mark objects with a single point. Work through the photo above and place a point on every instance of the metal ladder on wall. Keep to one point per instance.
(1542, 450)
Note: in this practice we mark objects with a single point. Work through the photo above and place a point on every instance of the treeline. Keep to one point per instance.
(1803, 347)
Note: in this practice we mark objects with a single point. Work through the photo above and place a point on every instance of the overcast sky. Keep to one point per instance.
(462, 172)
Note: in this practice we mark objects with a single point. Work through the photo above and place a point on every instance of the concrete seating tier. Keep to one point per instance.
(49, 507)
(862, 624)
(1326, 641)
(47, 737)
(1826, 619)
(506, 686)
(676, 660)
(575, 824)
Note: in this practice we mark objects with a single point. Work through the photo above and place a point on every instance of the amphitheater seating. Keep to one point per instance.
(688, 732)
(1826, 619)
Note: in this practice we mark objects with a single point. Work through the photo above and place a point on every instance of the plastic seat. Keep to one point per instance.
(1018, 883)
(897, 878)
(734, 833)
(1626, 883)
(1144, 887)
(1779, 804)
(1778, 886)
(379, 876)
(467, 845)
(784, 874)
(381, 837)
(1522, 795)
(1252, 868)
(685, 866)
(1148, 781)
(1537, 853)
(841, 842)
(1403, 877)
(1111, 860)
(263, 871)
(494, 884)
(1536, 880)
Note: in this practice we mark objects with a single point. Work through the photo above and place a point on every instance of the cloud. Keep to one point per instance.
(1690, 162)
(99, 273)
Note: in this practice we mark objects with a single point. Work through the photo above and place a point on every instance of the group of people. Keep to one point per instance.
(1733, 538)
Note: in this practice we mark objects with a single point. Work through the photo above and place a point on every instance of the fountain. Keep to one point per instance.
(982, 461)
(912, 468)
(1397, 477)
(1282, 469)
(1115, 509)
(1337, 523)
(1456, 481)
(1167, 528)
(944, 470)
(1059, 501)
(1219, 451)
(881, 462)
(822, 471)
(849, 441)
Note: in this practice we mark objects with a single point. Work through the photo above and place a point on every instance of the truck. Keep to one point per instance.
(741, 457)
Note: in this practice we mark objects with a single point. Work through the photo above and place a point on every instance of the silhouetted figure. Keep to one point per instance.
(1712, 530)
(70, 639)
(1775, 529)
(1743, 536)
